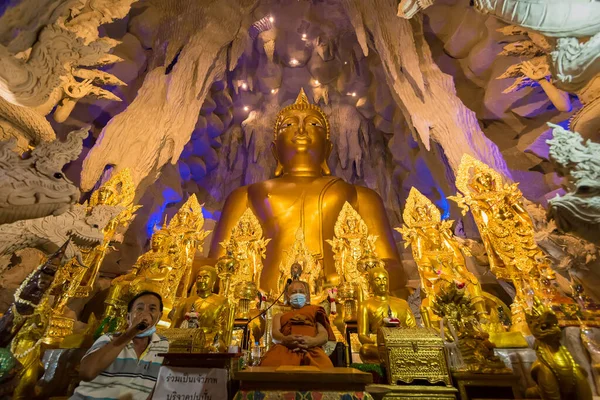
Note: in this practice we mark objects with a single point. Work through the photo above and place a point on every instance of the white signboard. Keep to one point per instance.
(179, 383)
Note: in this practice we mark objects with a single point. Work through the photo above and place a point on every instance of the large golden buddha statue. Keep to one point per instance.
(204, 310)
(304, 195)
(380, 310)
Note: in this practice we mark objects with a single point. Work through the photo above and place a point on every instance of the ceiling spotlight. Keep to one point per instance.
(304, 36)
(294, 62)
(244, 86)
(317, 82)
(271, 19)
(345, 62)
(273, 90)
(353, 94)
(246, 108)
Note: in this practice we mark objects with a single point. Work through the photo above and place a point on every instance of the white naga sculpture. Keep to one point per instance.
(573, 63)
(578, 211)
(54, 73)
(35, 187)
(83, 226)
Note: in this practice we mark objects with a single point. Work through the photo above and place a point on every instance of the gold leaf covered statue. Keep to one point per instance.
(303, 194)
(555, 372)
(506, 231)
(26, 347)
(457, 313)
(247, 248)
(310, 271)
(204, 310)
(440, 261)
(165, 267)
(350, 243)
(381, 309)
(119, 190)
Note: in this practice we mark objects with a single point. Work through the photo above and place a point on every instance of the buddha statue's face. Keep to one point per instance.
(483, 182)
(379, 282)
(104, 195)
(157, 241)
(422, 213)
(205, 280)
(301, 145)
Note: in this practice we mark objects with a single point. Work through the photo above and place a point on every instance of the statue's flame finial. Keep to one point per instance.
(301, 103)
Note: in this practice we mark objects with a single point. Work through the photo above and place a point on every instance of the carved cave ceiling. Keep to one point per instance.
(194, 120)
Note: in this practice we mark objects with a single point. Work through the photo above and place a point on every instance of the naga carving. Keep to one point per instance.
(55, 72)
(572, 55)
(35, 187)
(578, 211)
(47, 234)
(555, 372)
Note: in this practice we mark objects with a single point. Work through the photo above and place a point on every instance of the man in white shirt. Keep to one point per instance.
(125, 366)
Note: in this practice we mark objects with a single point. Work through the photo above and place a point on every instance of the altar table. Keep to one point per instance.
(304, 382)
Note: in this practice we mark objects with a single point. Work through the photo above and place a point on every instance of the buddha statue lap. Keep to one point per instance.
(210, 311)
(382, 309)
(304, 195)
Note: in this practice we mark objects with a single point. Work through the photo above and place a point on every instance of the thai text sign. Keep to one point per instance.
(178, 383)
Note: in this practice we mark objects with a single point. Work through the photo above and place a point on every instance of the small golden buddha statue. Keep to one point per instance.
(303, 194)
(506, 231)
(381, 309)
(153, 265)
(210, 310)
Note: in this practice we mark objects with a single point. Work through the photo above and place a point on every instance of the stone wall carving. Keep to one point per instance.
(35, 186)
(56, 71)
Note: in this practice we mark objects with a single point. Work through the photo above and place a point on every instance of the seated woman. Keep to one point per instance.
(300, 333)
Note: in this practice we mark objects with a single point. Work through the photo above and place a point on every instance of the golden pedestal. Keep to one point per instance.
(413, 354)
(508, 340)
(58, 327)
(182, 340)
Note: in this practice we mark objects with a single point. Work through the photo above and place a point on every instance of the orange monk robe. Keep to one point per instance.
(301, 321)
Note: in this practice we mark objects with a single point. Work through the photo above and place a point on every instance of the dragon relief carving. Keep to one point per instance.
(579, 210)
(84, 226)
(35, 187)
(57, 70)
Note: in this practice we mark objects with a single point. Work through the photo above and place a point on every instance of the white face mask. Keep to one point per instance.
(147, 332)
(298, 300)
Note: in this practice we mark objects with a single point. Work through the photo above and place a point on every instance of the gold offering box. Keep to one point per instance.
(184, 340)
(413, 354)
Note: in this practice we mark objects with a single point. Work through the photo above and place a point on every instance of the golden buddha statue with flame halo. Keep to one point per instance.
(379, 310)
(304, 195)
(437, 254)
(211, 310)
(506, 231)
(350, 243)
(310, 270)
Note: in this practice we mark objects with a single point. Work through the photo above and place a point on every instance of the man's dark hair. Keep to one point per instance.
(144, 293)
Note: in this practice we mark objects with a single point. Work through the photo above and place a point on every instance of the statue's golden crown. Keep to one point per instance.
(300, 104)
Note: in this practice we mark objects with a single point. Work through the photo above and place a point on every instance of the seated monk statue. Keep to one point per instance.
(208, 310)
(381, 309)
(300, 333)
(304, 195)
